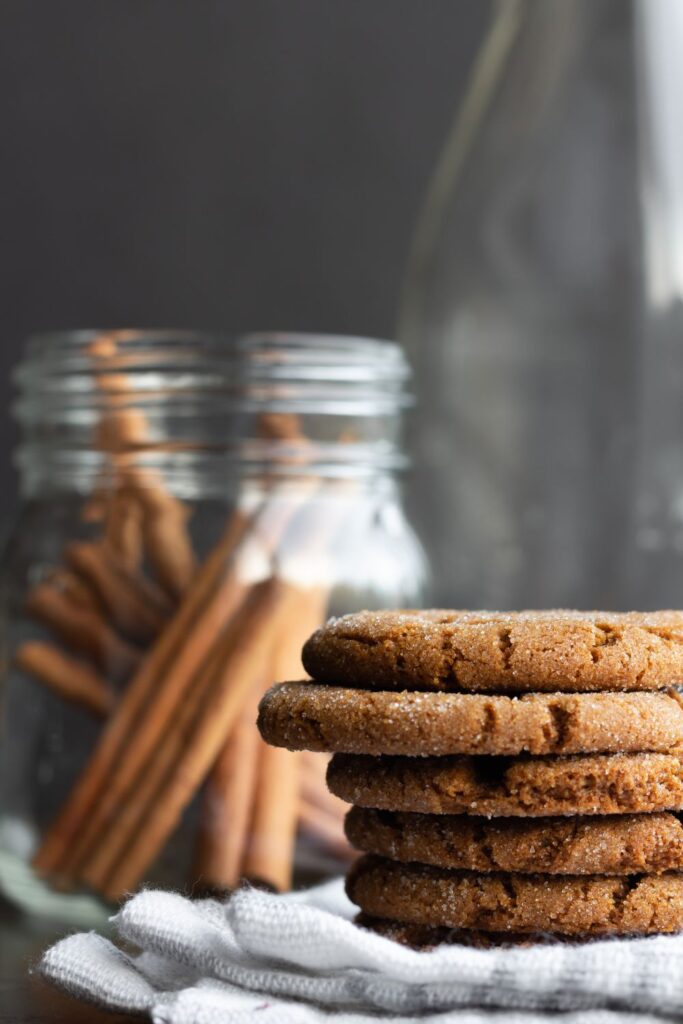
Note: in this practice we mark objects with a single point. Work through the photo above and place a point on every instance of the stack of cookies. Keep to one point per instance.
(509, 773)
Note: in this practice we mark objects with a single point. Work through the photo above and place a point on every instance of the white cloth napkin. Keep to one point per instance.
(299, 959)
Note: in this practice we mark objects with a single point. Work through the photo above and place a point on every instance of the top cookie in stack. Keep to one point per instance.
(440, 719)
(499, 652)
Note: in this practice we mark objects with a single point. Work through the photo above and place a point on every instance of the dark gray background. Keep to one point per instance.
(222, 163)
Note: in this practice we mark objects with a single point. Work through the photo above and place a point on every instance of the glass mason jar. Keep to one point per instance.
(193, 507)
(543, 315)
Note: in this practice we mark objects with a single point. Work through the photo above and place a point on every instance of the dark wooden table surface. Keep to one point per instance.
(25, 999)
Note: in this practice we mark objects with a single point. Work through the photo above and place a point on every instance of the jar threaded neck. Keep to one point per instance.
(200, 402)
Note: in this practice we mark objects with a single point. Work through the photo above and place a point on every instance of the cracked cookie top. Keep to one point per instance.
(499, 652)
(310, 716)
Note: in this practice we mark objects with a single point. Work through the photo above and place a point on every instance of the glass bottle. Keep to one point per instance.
(193, 507)
(542, 310)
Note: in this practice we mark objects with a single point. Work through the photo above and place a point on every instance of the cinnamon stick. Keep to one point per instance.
(151, 699)
(226, 804)
(146, 730)
(244, 659)
(135, 607)
(167, 541)
(69, 678)
(144, 587)
(124, 430)
(166, 538)
(83, 629)
(123, 529)
(105, 344)
(147, 711)
(129, 816)
(117, 744)
(119, 430)
(223, 837)
(75, 589)
(270, 845)
(269, 855)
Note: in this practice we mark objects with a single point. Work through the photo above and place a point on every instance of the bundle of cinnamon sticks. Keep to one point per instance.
(174, 653)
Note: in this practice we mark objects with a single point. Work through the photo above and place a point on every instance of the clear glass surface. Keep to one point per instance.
(542, 315)
(186, 498)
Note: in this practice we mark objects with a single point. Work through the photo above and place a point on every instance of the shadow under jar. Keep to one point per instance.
(194, 506)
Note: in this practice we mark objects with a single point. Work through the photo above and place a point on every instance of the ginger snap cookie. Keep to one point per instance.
(306, 716)
(496, 652)
(616, 845)
(565, 905)
(511, 787)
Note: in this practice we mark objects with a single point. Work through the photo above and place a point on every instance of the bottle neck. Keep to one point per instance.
(206, 410)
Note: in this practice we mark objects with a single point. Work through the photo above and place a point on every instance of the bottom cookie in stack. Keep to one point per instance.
(512, 902)
(578, 786)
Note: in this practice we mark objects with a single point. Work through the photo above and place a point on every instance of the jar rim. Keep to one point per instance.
(206, 394)
(59, 354)
(78, 338)
(90, 369)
